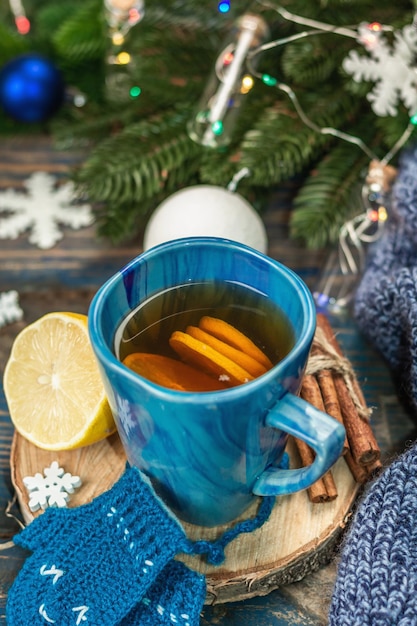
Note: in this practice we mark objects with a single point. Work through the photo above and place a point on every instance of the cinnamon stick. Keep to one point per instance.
(329, 395)
(362, 442)
(331, 399)
(359, 472)
(328, 390)
(319, 390)
(310, 392)
(362, 473)
(324, 489)
(330, 485)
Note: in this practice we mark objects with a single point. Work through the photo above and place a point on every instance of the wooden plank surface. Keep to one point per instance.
(66, 277)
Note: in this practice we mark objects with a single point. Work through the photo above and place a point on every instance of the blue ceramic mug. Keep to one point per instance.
(210, 454)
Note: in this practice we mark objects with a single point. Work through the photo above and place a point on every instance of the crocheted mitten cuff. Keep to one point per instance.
(176, 597)
(131, 494)
(377, 576)
(102, 557)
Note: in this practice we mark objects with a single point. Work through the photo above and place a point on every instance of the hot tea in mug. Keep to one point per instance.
(213, 316)
(210, 453)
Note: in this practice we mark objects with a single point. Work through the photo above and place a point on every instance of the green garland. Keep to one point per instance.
(138, 151)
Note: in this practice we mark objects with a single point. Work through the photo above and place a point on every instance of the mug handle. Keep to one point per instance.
(320, 431)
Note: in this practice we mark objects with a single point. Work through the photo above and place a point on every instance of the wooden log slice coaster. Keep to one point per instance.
(297, 539)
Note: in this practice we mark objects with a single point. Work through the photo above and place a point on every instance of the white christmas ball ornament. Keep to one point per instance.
(206, 211)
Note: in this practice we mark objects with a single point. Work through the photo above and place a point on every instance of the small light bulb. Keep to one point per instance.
(224, 6)
(373, 215)
(375, 26)
(80, 100)
(269, 80)
(22, 24)
(217, 128)
(117, 39)
(135, 91)
(322, 299)
(134, 17)
(247, 84)
(370, 40)
(382, 214)
(123, 58)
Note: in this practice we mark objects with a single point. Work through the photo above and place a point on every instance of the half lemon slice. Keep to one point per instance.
(53, 387)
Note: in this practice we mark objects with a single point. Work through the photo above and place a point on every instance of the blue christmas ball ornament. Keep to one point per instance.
(31, 88)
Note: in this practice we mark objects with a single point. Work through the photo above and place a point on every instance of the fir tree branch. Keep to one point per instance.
(139, 151)
(328, 197)
(11, 44)
(82, 36)
(280, 145)
(309, 63)
(139, 162)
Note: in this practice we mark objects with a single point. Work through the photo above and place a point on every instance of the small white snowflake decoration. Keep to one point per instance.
(124, 413)
(391, 69)
(10, 310)
(41, 210)
(51, 489)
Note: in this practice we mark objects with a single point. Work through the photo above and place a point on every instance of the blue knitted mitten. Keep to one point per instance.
(95, 563)
(376, 582)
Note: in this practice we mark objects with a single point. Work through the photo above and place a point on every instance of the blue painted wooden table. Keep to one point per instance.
(67, 276)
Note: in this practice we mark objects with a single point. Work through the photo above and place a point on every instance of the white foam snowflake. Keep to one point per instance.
(40, 210)
(51, 489)
(392, 69)
(124, 413)
(10, 310)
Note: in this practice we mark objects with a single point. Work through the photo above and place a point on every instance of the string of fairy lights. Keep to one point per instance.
(365, 228)
(369, 39)
(120, 11)
(234, 76)
(235, 72)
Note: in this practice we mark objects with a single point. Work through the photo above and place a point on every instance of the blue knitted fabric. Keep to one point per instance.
(111, 562)
(386, 299)
(94, 564)
(175, 598)
(376, 582)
